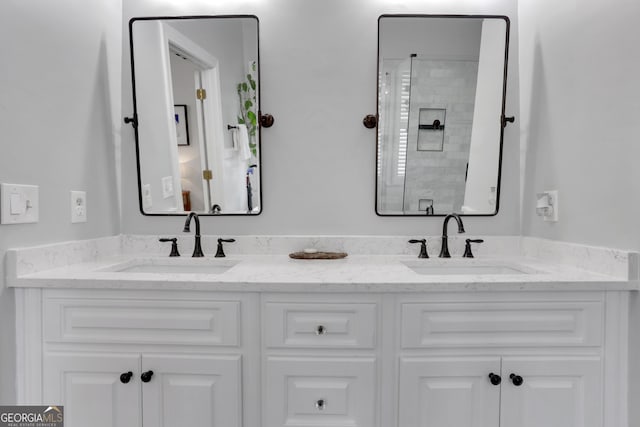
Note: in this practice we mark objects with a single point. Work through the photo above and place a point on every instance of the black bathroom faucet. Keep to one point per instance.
(444, 250)
(197, 248)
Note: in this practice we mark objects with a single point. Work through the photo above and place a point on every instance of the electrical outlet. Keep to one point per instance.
(78, 206)
(19, 204)
(147, 200)
(553, 201)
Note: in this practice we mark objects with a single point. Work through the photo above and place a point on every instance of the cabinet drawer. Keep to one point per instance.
(142, 321)
(331, 325)
(513, 323)
(320, 392)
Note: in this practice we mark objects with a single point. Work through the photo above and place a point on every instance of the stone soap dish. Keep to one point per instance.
(313, 254)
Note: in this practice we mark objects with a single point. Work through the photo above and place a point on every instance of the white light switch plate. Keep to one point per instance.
(78, 206)
(167, 187)
(19, 204)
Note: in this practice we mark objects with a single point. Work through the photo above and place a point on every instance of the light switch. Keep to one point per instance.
(19, 204)
(167, 187)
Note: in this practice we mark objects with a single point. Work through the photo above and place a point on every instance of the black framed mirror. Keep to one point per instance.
(441, 114)
(196, 97)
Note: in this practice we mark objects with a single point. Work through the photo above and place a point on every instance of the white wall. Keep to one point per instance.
(60, 120)
(580, 118)
(436, 38)
(318, 75)
(580, 108)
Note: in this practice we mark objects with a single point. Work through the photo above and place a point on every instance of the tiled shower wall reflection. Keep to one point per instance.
(440, 175)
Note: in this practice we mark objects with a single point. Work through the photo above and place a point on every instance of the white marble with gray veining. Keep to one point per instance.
(23, 261)
(374, 264)
(606, 261)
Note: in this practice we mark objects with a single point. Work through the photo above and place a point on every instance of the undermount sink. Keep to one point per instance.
(432, 268)
(174, 266)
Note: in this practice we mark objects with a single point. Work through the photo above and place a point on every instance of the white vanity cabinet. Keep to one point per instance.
(508, 360)
(551, 391)
(123, 358)
(119, 390)
(90, 389)
(320, 359)
(357, 359)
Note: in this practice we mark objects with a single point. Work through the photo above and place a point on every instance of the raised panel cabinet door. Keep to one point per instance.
(95, 390)
(449, 392)
(551, 392)
(189, 390)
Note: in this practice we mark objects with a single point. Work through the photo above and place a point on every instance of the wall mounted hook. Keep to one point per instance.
(266, 120)
(131, 120)
(370, 121)
(506, 120)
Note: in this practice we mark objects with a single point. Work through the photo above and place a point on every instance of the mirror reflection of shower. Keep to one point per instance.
(440, 104)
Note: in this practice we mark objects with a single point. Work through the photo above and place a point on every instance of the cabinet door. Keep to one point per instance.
(448, 392)
(90, 388)
(192, 391)
(555, 392)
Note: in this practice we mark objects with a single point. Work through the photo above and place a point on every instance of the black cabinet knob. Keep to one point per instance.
(516, 380)
(146, 376)
(126, 377)
(495, 379)
(321, 404)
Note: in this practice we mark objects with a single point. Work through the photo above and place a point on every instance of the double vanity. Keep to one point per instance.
(527, 333)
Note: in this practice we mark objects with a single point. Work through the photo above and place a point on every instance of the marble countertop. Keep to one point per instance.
(356, 273)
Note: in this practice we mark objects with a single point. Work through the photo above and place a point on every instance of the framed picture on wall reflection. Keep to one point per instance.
(182, 124)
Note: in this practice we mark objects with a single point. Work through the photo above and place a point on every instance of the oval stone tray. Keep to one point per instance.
(317, 255)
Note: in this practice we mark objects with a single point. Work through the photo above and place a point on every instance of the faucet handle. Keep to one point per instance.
(220, 251)
(423, 247)
(467, 247)
(174, 245)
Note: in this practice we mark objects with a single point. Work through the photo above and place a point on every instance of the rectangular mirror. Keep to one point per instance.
(441, 97)
(196, 95)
